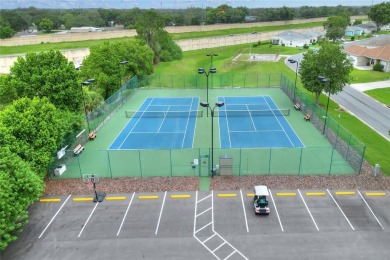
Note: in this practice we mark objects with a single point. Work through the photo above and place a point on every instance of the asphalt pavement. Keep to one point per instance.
(351, 98)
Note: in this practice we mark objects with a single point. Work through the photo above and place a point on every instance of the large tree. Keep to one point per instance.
(336, 24)
(102, 64)
(46, 74)
(329, 61)
(46, 24)
(380, 14)
(38, 129)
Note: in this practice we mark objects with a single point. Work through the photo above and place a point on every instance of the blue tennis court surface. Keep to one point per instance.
(160, 123)
(254, 122)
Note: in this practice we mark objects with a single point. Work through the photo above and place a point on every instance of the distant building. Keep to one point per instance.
(249, 18)
(295, 39)
(84, 29)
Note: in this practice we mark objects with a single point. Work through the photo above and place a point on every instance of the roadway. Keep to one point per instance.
(368, 110)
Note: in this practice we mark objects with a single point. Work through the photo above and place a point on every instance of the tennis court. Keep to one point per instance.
(255, 122)
(160, 123)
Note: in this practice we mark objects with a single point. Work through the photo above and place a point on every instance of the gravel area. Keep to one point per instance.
(365, 181)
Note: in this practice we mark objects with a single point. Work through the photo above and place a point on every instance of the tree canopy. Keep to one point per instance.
(380, 14)
(330, 62)
(103, 63)
(336, 24)
(46, 24)
(46, 74)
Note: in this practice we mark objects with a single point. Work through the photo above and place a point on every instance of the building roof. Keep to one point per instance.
(379, 53)
(292, 36)
(377, 41)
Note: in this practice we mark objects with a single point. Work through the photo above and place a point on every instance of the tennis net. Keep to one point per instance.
(164, 114)
(252, 113)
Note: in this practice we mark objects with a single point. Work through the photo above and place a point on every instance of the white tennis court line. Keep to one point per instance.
(276, 209)
(372, 212)
(342, 212)
(196, 122)
(243, 208)
(90, 215)
(250, 115)
(227, 124)
(159, 218)
(277, 119)
(124, 217)
(188, 120)
(308, 210)
(258, 131)
(55, 215)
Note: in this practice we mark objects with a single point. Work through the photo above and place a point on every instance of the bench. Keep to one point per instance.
(78, 149)
(307, 117)
(92, 135)
(297, 106)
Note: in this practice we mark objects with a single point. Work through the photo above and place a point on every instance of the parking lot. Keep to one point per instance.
(303, 224)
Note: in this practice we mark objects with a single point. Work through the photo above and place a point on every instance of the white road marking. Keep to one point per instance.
(340, 209)
(52, 219)
(243, 208)
(205, 226)
(90, 215)
(124, 217)
(203, 198)
(212, 210)
(370, 209)
(159, 218)
(308, 210)
(276, 210)
(203, 212)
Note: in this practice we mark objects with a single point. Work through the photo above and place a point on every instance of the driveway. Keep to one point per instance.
(367, 109)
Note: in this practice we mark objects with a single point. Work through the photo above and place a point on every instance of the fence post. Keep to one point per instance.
(269, 163)
(300, 162)
(331, 160)
(109, 162)
(140, 164)
(361, 161)
(170, 159)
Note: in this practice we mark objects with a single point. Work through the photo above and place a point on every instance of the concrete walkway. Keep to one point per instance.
(371, 85)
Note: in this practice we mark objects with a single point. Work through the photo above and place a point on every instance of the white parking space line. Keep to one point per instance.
(52, 219)
(308, 210)
(203, 212)
(212, 210)
(90, 215)
(243, 208)
(210, 237)
(370, 209)
(342, 212)
(159, 218)
(276, 210)
(205, 226)
(124, 217)
(196, 208)
(205, 197)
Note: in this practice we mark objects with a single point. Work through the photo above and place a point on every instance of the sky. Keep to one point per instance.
(173, 4)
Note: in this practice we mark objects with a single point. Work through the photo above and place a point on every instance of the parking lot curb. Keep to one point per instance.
(147, 197)
(184, 196)
(345, 193)
(49, 200)
(225, 195)
(315, 193)
(82, 199)
(115, 198)
(375, 194)
(286, 194)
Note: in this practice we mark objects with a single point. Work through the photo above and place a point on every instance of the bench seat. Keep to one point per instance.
(78, 149)
(297, 106)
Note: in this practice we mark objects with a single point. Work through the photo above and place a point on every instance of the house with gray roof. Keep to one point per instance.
(296, 39)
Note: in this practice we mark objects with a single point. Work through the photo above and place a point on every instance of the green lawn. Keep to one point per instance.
(364, 76)
(380, 94)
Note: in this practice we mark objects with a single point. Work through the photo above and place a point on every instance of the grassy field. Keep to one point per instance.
(191, 35)
(380, 94)
(8, 50)
(364, 76)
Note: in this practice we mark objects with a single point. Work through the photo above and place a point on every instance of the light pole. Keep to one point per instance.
(120, 76)
(202, 71)
(325, 80)
(86, 83)
(207, 105)
(211, 56)
(296, 75)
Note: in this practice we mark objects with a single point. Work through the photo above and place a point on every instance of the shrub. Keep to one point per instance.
(283, 44)
(352, 38)
(305, 46)
(378, 67)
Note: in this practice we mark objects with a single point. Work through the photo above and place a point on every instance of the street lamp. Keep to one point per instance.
(120, 76)
(86, 83)
(202, 71)
(296, 75)
(211, 56)
(207, 105)
(325, 80)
